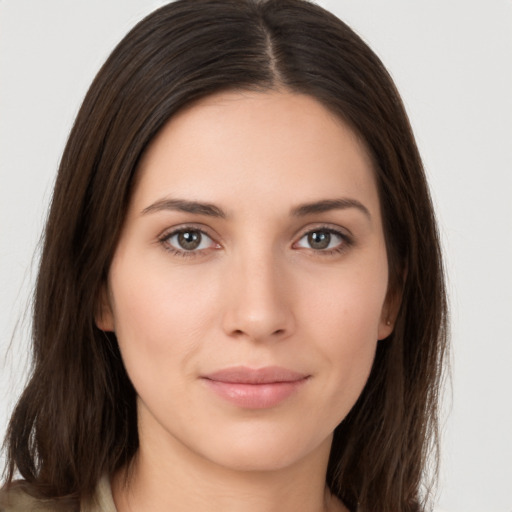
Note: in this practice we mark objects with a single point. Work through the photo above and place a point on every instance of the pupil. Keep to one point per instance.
(189, 240)
(319, 239)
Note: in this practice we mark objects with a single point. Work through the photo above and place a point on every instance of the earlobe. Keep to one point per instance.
(390, 311)
(104, 317)
(386, 326)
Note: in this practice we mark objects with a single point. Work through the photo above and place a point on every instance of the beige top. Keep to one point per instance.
(18, 501)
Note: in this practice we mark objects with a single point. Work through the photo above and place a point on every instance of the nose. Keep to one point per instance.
(259, 300)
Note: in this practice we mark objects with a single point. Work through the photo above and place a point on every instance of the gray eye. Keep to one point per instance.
(189, 240)
(319, 239)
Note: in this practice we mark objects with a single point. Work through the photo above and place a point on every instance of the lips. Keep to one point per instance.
(243, 375)
(255, 388)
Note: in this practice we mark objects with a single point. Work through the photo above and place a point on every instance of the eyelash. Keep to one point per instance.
(345, 244)
(164, 241)
(347, 241)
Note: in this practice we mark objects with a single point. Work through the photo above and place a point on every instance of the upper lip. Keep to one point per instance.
(245, 375)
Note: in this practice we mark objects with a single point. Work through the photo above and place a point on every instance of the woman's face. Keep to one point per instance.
(248, 289)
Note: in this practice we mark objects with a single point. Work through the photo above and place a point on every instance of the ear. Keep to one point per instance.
(391, 308)
(104, 316)
(388, 317)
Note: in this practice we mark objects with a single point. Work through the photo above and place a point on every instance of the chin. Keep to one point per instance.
(257, 452)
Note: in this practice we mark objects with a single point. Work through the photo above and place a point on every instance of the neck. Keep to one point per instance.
(178, 479)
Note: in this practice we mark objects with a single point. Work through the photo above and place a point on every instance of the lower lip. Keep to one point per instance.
(255, 396)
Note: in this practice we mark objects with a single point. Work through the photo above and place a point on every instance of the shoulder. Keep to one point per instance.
(17, 500)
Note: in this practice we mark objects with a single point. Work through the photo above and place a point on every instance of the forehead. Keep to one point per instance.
(278, 146)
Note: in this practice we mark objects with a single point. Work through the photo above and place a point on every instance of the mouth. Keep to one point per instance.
(260, 388)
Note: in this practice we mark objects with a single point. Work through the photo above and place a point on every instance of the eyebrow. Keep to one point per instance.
(327, 205)
(181, 205)
(211, 210)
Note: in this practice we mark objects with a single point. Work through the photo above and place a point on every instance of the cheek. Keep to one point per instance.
(348, 302)
(159, 317)
(345, 320)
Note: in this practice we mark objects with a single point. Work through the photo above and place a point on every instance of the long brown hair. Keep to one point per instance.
(76, 419)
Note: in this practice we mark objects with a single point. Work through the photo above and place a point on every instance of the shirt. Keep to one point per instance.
(18, 501)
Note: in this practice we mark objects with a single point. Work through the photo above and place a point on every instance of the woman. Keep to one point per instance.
(240, 303)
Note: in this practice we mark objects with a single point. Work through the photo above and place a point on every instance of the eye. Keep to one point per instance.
(188, 240)
(323, 239)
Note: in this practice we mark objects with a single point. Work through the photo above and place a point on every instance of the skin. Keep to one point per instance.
(256, 292)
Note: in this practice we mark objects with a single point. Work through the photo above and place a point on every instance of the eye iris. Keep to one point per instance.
(319, 239)
(189, 240)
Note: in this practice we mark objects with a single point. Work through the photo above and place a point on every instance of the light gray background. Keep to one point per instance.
(451, 60)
